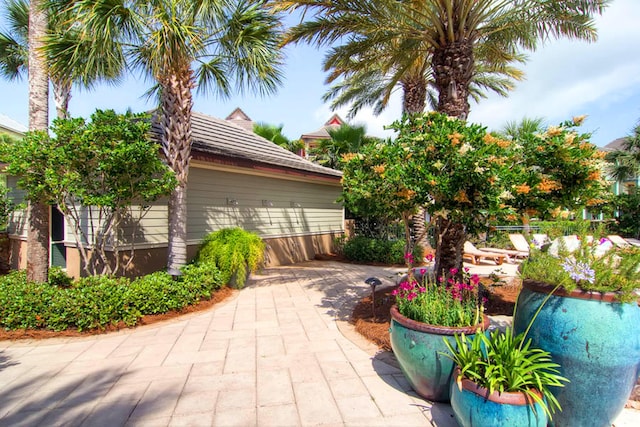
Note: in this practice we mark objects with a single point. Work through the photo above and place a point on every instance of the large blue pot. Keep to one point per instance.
(596, 341)
(417, 347)
(474, 406)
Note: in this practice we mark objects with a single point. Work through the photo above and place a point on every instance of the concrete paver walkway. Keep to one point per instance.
(272, 356)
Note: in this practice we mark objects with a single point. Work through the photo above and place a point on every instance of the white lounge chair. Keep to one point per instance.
(475, 255)
(619, 241)
(520, 243)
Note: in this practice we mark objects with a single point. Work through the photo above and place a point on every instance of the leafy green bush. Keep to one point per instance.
(234, 251)
(367, 249)
(98, 301)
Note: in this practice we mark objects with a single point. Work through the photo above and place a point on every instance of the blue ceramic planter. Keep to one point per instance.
(473, 406)
(417, 346)
(595, 340)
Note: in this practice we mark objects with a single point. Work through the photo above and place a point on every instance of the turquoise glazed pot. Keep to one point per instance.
(473, 406)
(596, 341)
(417, 345)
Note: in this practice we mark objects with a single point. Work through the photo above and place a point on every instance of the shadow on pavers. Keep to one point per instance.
(79, 401)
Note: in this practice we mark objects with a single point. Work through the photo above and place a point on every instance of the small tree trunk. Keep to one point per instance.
(62, 96)
(453, 71)
(38, 228)
(450, 242)
(414, 94)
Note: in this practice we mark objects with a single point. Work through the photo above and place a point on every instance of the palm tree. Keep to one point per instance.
(624, 164)
(181, 45)
(38, 211)
(453, 36)
(14, 51)
(345, 139)
(274, 134)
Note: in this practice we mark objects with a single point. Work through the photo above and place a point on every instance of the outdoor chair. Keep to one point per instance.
(520, 243)
(475, 255)
(618, 241)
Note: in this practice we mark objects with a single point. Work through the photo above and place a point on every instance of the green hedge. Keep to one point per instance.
(98, 301)
(367, 249)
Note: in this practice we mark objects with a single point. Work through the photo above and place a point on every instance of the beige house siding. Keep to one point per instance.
(269, 206)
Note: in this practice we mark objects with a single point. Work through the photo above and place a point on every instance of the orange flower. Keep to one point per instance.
(511, 217)
(406, 193)
(569, 138)
(599, 154)
(489, 139)
(585, 145)
(531, 212)
(594, 175)
(379, 169)
(523, 189)
(433, 182)
(540, 148)
(577, 120)
(455, 138)
(462, 197)
(348, 157)
(554, 130)
(548, 185)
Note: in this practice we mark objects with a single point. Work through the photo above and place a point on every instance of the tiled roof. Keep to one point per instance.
(219, 137)
(616, 144)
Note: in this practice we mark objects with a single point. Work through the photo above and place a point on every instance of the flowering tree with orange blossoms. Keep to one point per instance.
(467, 177)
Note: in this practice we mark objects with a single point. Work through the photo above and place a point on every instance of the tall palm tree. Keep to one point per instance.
(14, 51)
(181, 45)
(38, 211)
(454, 36)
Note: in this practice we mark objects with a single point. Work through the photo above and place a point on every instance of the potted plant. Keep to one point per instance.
(501, 380)
(589, 325)
(426, 310)
(236, 252)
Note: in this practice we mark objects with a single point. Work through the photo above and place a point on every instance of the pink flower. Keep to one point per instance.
(475, 279)
(603, 240)
(466, 269)
(411, 296)
(395, 292)
(429, 257)
(423, 289)
(423, 270)
(453, 271)
(440, 279)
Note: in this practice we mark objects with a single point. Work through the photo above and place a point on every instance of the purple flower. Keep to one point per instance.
(579, 271)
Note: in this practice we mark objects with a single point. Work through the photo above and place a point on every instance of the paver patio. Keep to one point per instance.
(278, 354)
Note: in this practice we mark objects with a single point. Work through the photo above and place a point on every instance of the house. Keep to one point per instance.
(10, 127)
(310, 140)
(236, 178)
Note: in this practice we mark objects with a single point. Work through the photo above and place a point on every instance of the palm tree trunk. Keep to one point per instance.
(453, 70)
(414, 94)
(177, 102)
(450, 242)
(38, 227)
(62, 96)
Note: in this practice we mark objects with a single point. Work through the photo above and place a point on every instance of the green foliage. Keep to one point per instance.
(367, 249)
(108, 164)
(442, 302)
(628, 220)
(234, 251)
(506, 363)
(6, 206)
(98, 301)
(345, 139)
(596, 265)
(59, 277)
(274, 134)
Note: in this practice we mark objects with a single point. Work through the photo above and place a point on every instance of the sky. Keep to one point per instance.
(564, 78)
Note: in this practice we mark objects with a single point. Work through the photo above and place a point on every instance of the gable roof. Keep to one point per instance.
(615, 145)
(334, 122)
(240, 118)
(220, 140)
(12, 125)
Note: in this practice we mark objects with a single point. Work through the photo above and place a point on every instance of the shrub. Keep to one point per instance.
(97, 301)
(367, 249)
(233, 251)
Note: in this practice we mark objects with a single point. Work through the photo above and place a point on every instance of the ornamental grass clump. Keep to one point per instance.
(452, 301)
(586, 263)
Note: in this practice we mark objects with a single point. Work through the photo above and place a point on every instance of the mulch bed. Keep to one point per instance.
(148, 319)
